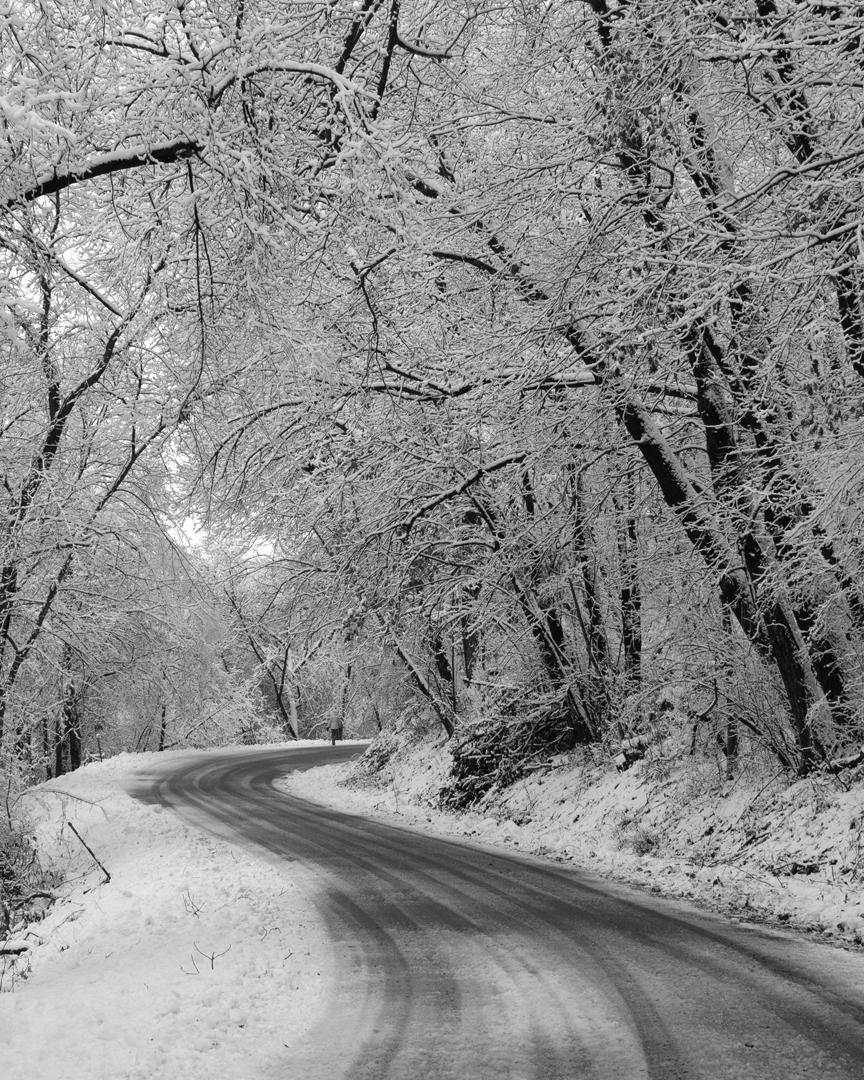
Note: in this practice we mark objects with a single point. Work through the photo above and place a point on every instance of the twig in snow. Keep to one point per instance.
(212, 957)
(191, 907)
(195, 972)
(59, 791)
(66, 794)
(91, 852)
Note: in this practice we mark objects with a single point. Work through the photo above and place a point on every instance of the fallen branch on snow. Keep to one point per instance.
(91, 852)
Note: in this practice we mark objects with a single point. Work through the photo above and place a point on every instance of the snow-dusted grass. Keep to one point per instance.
(756, 847)
(197, 960)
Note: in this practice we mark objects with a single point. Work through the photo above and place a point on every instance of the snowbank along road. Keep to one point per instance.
(459, 962)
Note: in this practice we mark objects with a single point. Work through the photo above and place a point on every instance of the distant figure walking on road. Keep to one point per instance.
(335, 730)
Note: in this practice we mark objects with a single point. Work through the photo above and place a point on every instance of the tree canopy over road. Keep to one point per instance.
(511, 357)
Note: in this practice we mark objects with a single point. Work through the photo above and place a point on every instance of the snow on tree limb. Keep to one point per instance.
(106, 164)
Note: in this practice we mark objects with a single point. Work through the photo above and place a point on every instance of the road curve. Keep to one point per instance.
(458, 962)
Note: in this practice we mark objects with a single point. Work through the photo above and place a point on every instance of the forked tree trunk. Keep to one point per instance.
(420, 681)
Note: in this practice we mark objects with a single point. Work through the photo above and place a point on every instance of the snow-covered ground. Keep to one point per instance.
(198, 960)
(203, 959)
(755, 847)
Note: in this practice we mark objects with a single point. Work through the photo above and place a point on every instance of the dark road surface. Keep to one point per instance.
(456, 963)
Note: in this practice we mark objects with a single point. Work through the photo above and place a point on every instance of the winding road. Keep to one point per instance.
(459, 963)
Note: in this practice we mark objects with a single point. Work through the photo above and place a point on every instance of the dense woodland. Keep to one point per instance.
(501, 363)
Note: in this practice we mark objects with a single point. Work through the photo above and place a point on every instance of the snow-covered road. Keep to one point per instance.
(454, 961)
(436, 959)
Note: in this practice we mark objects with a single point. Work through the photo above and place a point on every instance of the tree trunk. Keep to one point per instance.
(346, 688)
(163, 726)
(585, 551)
(46, 746)
(631, 596)
(774, 636)
(68, 749)
(422, 684)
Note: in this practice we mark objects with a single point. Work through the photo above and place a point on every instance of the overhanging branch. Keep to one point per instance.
(104, 165)
(452, 493)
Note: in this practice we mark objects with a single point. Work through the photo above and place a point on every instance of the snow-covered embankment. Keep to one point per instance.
(197, 959)
(757, 847)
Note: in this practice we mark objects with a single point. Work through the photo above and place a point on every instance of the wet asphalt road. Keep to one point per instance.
(458, 963)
